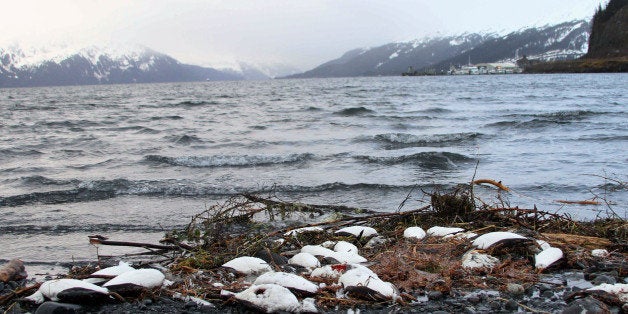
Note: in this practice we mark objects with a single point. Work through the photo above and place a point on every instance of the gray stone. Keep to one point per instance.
(600, 279)
(434, 295)
(547, 294)
(473, 298)
(545, 286)
(58, 308)
(147, 301)
(495, 305)
(512, 305)
(587, 305)
(515, 289)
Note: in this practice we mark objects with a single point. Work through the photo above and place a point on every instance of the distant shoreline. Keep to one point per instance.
(606, 65)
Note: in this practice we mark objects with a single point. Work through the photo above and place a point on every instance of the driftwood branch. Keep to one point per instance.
(585, 202)
(497, 184)
(99, 240)
(18, 293)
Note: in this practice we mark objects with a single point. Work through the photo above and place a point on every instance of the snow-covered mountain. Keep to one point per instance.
(21, 67)
(261, 71)
(562, 41)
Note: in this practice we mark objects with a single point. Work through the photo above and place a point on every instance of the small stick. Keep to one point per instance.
(492, 182)
(585, 202)
(96, 240)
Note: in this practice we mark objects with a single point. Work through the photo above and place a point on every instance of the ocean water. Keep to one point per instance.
(133, 161)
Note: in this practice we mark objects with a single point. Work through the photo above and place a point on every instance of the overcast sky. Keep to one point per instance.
(303, 33)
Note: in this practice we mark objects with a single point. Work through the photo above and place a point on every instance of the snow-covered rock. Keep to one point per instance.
(52, 288)
(489, 239)
(248, 265)
(547, 257)
(347, 257)
(291, 281)
(329, 271)
(147, 278)
(273, 298)
(414, 232)
(357, 231)
(367, 285)
(344, 246)
(462, 235)
(619, 289)
(376, 242)
(438, 231)
(599, 253)
(474, 259)
(341, 257)
(297, 231)
(187, 298)
(121, 268)
(316, 250)
(304, 259)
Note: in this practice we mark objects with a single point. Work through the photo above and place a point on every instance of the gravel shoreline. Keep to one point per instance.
(378, 263)
(550, 295)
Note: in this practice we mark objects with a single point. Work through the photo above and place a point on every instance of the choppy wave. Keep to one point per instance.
(41, 180)
(568, 115)
(73, 228)
(19, 152)
(431, 160)
(541, 120)
(354, 111)
(435, 110)
(106, 189)
(174, 117)
(184, 139)
(603, 138)
(188, 104)
(229, 160)
(400, 140)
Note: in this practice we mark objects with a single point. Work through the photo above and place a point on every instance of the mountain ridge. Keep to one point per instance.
(29, 67)
(437, 54)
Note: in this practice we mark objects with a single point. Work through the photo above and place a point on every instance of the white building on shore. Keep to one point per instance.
(486, 68)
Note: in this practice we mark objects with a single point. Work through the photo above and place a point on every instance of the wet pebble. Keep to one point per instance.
(473, 298)
(544, 287)
(586, 305)
(190, 305)
(512, 305)
(515, 289)
(51, 307)
(547, 294)
(434, 295)
(600, 279)
(495, 305)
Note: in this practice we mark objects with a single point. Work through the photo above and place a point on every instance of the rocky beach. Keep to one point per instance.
(453, 256)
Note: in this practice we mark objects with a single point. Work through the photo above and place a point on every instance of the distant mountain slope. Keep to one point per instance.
(260, 71)
(97, 65)
(392, 59)
(562, 41)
